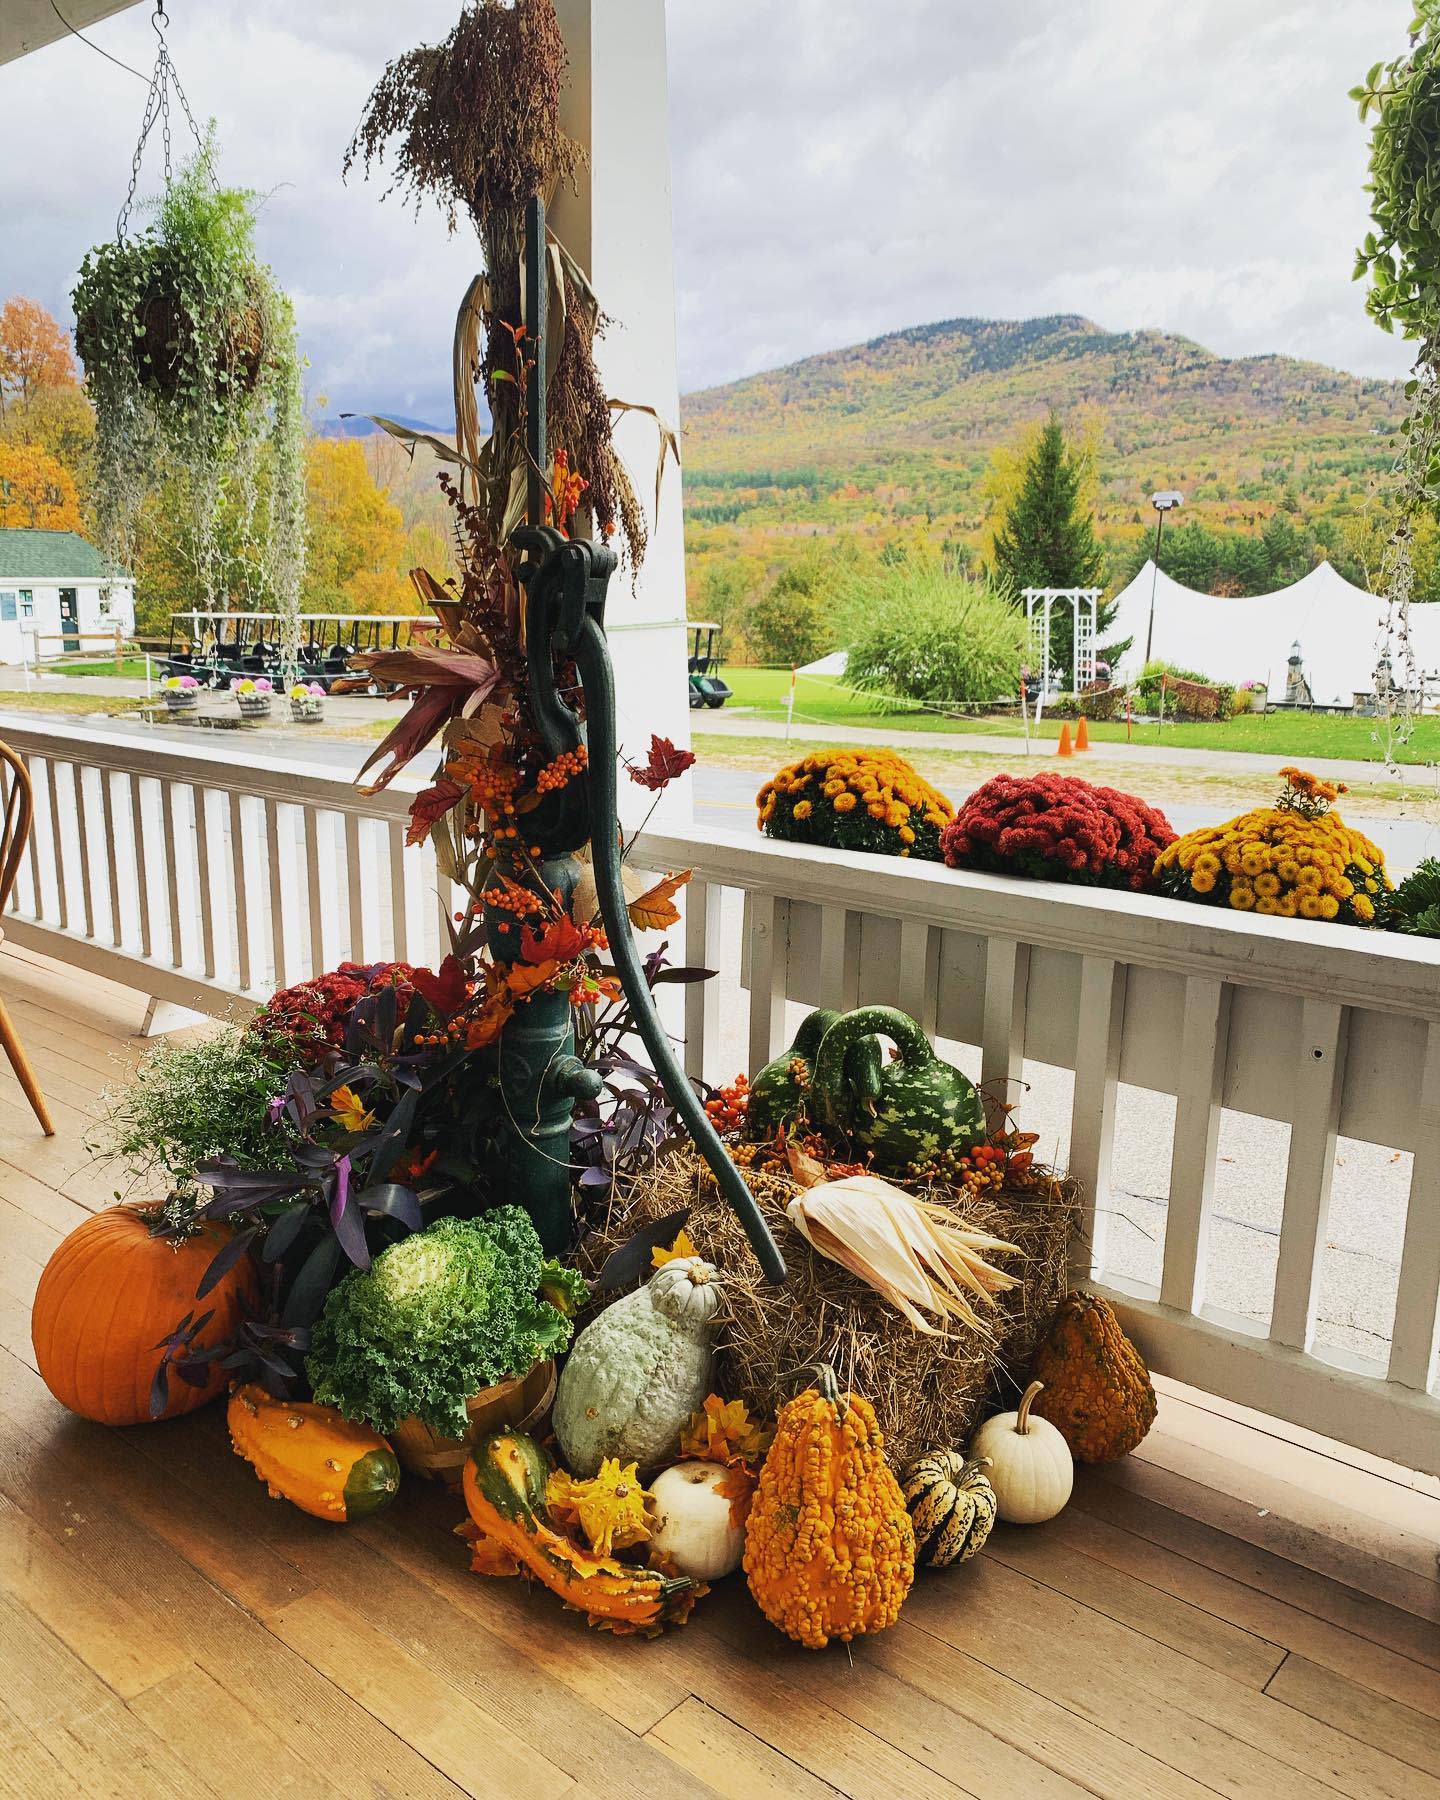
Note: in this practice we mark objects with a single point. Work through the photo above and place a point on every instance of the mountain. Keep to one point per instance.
(358, 425)
(904, 426)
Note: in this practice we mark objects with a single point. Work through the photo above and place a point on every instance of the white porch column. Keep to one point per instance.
(617, 227)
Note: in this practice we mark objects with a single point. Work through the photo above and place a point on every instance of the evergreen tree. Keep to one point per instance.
(1048, 538)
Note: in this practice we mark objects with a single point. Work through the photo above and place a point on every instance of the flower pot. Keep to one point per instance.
(182, 699)
(305, 712)
(518, 1405)
(253, 706)
(1259, 699)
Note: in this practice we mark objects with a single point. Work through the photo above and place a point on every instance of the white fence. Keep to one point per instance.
(249, 876)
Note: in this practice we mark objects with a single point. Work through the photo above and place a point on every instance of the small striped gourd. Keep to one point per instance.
(952, 1507)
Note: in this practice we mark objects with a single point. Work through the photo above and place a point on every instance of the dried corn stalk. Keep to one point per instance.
(910, 1251)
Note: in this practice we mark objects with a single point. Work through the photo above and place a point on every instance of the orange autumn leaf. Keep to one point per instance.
(562, 940)
(738, 1487)
(655, 909)
(524, 978)
(682, 1246)
(723, 1431)
(488, 1023)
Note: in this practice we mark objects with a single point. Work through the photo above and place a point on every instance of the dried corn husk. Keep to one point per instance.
(908, 1250)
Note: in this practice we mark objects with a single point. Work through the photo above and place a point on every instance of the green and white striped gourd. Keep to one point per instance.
(780, 1093)
(951, 1505)
(923, 1107)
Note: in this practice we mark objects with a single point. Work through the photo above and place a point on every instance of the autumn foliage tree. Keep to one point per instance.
(34, 353)
(36, 491)
(356, 551)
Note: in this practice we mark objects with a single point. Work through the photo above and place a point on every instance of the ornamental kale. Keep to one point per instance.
(436, 1318)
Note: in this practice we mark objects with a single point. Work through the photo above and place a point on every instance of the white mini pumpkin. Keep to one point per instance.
(1031, 1469)
(692, 1521)
(635, 1374)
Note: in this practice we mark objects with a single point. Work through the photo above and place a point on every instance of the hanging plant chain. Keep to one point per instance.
(157, 107)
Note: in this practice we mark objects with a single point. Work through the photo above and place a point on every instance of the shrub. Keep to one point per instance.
(922, 632)
(190, 1103)
(1415, 905)
(1146, 689)
(1057, 828)
(855, 800)
(1103, 703)
(1296, 859)
(303, 1022)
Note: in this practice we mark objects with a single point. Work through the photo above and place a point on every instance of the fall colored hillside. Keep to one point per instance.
(902, 429)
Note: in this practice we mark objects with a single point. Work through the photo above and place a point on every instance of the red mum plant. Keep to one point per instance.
(1057, 828)
(311, 1016)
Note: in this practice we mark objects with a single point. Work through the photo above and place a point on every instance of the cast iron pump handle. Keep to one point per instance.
(565, 581)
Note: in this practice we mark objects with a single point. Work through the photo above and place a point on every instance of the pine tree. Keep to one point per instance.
(1048, 538)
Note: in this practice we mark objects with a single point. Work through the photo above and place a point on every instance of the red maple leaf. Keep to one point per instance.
(431, 804)
(561, 941)
(664, 764)
(447, 992)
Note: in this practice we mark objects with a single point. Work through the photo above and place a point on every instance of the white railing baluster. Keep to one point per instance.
(1092, 1114)
(399, 904)
(205, 892)
(57, 843)
(1314, 1127)
(702, 998)
(142, 863)
(919, 955)
(279, 976)
(769, 925)
(82, 834)
(32, 848)
(239, 891)
(1416, 1332)
(355, 898)
(112, 862)
(170, 854)
(314, 891)
(839, 958)
(1002, 1042)
(1203, 1046)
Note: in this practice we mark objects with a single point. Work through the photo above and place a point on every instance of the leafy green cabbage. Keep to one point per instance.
(436, 1318)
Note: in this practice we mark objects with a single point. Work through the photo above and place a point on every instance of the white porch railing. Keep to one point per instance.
(250, 876)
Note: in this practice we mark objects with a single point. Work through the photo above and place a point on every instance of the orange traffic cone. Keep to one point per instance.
(1063, 747)
(1082, 734)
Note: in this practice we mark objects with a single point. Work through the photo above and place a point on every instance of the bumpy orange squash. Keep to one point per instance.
(829, 1547)
(313, 1456)
(505, 1496)
(108, 1296)
(1097, 1392)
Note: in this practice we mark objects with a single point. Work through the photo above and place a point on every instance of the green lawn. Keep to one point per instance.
(53, 702)
(822, 701)
(131, 667)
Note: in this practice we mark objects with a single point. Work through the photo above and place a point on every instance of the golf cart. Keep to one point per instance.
(706, 687)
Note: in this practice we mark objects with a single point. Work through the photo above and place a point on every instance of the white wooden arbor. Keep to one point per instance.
(1084, 604)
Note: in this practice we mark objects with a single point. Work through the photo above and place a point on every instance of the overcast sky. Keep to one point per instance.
(841, 168)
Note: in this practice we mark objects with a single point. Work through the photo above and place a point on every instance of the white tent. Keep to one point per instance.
(1339, 627)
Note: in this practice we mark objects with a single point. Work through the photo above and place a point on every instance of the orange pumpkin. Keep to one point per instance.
(108, 1296)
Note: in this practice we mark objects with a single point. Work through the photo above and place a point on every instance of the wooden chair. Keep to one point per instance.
(14, 835)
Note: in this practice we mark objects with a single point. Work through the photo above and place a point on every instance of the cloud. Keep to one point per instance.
(841, 169)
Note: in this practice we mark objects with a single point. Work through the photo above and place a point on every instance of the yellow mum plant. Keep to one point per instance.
(1296, 859)
(855, 800)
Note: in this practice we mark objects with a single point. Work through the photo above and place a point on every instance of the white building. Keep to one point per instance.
(53, 587)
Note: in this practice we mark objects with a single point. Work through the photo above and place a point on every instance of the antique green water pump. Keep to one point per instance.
(539, 1077)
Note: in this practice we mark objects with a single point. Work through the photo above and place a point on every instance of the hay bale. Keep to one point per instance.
(926, 1391)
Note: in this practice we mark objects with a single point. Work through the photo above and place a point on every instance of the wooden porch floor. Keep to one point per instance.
(1200, 1621)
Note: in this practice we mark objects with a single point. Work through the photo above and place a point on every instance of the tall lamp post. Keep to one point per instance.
(1165, 501)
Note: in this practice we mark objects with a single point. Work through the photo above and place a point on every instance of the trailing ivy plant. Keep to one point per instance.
(191, 361)
(1401, 259)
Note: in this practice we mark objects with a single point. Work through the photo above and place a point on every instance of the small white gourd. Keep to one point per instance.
(692, 1521)
(1031, 1469)
(635, 1374)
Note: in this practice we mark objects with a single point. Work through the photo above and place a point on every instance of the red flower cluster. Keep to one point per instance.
(1057, 828)
(311, 1016)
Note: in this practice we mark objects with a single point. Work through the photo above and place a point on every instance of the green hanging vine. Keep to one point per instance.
(1401, 259)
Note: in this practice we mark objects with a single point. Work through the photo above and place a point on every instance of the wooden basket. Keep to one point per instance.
(518, 1404)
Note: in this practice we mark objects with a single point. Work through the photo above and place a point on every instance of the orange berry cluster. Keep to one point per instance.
(563, 769)
(727, 1105)
(1006, 1160)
